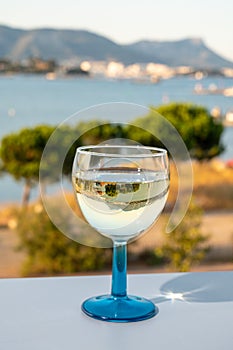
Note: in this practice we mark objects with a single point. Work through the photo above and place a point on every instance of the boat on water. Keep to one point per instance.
(212, 89)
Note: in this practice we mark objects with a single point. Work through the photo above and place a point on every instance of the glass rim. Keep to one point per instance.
(90, 150)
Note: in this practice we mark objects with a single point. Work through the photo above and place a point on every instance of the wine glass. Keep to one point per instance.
(121, 190)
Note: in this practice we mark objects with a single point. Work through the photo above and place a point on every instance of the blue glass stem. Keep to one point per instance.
(119, 270)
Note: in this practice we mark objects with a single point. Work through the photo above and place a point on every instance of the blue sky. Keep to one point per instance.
(129, 20)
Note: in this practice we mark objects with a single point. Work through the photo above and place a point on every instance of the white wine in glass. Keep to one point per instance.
(121, 191)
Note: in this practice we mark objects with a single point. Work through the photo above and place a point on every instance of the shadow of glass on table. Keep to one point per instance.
(208, 287)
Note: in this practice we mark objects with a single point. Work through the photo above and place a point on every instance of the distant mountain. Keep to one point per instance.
(18, 44)
(188, 52)
(63, 44)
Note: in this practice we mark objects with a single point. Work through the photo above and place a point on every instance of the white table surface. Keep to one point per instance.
(44, 313)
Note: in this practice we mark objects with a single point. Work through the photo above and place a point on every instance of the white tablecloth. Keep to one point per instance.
(195, 313)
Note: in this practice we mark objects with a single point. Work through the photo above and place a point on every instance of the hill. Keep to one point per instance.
(64, 44)
(188, 52)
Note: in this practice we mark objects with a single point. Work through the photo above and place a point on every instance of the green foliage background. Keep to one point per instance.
(185, 245)
(48, 251)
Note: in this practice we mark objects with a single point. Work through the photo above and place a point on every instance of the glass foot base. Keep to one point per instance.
(119, 309)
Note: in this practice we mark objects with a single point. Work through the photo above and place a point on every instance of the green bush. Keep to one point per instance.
(49, 252)
(185, 245)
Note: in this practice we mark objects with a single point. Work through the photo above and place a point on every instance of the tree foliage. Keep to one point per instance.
(21, 153)
(199, 131)
(94, 132)
(49, 251)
